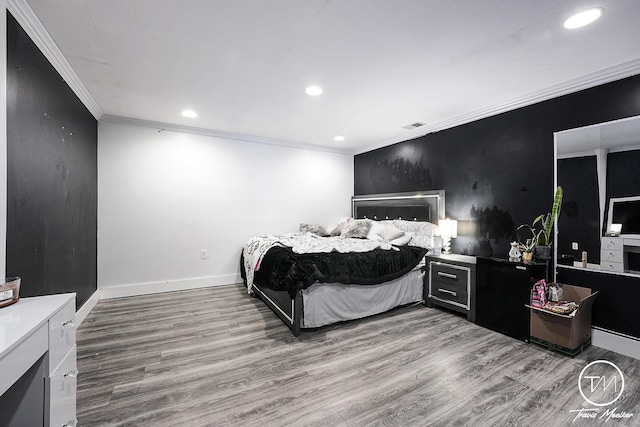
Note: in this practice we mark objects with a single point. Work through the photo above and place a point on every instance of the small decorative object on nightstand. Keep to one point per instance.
(514, 253)
(437, 244)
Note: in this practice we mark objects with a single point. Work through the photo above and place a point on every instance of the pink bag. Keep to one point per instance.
(539, 294)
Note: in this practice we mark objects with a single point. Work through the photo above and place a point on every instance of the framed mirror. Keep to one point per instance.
(598, 167)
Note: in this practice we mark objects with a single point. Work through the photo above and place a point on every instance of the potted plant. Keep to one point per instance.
(542, 237)
(528, 247)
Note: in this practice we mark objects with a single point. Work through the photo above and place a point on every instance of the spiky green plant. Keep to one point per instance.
(542, 236)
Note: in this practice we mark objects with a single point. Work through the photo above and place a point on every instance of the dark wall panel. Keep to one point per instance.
(497, 172)
(51, 176)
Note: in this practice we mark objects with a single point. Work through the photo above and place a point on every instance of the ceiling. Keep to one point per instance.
(243, 65)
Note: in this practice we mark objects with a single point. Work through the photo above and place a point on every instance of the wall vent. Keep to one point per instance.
(414, 125)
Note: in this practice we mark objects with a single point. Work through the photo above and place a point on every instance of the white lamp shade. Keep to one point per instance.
(616, 228)
(449, 227)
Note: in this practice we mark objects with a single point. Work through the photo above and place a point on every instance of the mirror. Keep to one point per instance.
(594, 164)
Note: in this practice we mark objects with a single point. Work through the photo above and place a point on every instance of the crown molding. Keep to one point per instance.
(160, 126)
(36, 31)
(607, 75)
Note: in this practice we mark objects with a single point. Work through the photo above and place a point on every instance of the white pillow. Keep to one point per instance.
(402, 240)
(375, 231)
(391, 232)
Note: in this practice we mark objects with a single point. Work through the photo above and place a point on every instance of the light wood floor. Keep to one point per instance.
(216, 357)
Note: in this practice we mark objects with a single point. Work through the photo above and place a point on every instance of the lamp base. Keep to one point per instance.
(446, 245)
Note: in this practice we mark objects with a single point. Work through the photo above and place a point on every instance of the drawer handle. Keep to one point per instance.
(447, 275)
(64, 325)
(447, 291)
(72, 423)
(71, 374)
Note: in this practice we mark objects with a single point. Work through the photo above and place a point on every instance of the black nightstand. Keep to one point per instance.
(450, 282)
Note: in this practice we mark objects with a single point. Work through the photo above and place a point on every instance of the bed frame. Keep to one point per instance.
(418, 206)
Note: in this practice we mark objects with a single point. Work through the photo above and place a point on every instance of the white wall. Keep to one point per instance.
(163, 196)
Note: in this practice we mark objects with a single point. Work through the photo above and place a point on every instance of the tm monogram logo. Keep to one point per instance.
(601, 383)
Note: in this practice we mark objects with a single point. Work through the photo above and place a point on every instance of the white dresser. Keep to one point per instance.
(611, 251)
(38, 361)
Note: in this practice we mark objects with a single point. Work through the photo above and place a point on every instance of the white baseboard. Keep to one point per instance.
(169, 286)
(83, 311)
(627, 346)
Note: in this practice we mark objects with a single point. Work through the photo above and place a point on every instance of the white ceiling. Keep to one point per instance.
(243, 65)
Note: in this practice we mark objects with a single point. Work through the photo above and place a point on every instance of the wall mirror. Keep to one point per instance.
(598, 167)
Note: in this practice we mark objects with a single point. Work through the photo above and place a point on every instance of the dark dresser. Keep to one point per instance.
(502, 290)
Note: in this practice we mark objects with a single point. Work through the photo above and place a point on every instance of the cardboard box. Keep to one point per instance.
(561, 332)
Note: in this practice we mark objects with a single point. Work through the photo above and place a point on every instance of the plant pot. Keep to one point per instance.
(527, 257)
(542, 253)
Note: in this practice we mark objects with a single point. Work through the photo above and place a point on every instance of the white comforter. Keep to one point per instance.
(302, 243)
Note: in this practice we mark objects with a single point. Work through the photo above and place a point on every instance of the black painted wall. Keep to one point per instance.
(497, 172)
(51, 177)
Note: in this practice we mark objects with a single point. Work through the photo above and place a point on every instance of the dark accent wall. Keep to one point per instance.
(51, 177)
(497, 172)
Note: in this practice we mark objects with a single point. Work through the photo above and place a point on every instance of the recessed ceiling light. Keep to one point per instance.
(583, 18)
(339, 138)
(313, 90)
(190, 114)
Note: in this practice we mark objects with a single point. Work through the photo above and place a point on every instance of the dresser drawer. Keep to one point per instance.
(61, 389)
(611, 243)
(611, 266)
(62, 334)
(449, 283)
(610, 255)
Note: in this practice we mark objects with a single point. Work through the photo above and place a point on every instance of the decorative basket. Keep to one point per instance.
(9, 291)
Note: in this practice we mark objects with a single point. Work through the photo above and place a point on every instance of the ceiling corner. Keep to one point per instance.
(39, 35)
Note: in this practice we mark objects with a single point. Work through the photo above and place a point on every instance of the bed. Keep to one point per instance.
(369, 264)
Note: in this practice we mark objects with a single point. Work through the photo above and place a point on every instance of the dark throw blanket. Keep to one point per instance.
(283, 270)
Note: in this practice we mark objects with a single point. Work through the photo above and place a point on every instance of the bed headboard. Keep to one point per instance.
(419, 206)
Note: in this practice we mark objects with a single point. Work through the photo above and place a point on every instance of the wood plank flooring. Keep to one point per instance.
(216, 357)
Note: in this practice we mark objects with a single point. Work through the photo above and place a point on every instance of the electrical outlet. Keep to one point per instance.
(203, 254)
(574, 246)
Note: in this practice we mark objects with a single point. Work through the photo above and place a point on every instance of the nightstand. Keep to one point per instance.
(451, 282)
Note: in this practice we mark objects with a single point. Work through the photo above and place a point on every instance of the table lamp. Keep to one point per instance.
(448, 230)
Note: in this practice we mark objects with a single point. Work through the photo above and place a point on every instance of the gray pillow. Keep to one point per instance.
(357, 228)
(339, 229)
(314, 228)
